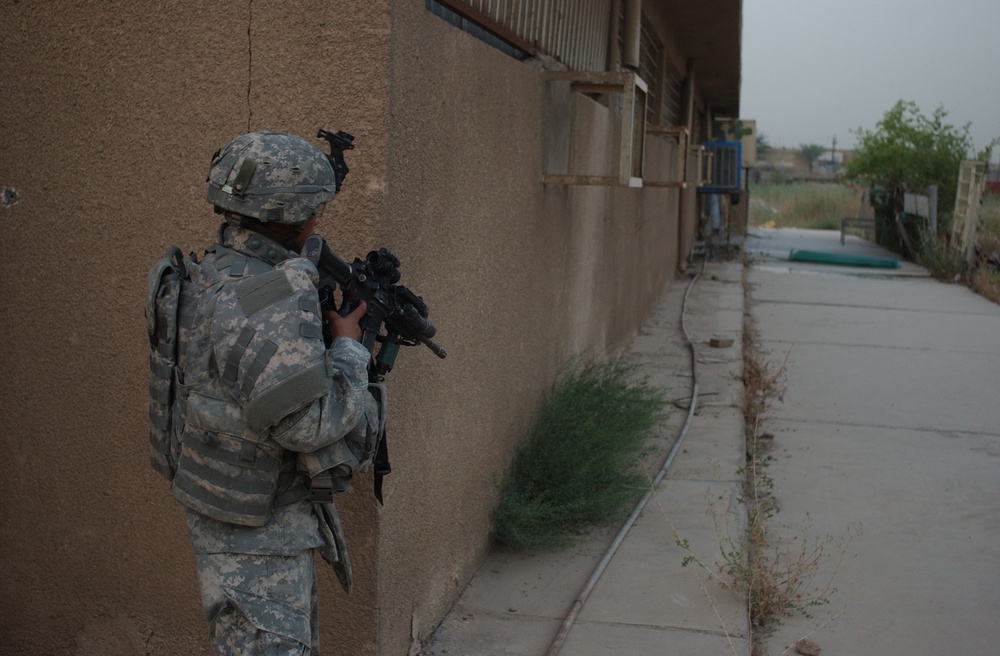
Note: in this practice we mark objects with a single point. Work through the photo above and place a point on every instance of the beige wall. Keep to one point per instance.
(522, 276)
(110, 113)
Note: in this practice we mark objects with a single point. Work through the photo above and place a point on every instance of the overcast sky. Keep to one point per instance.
(818, 69)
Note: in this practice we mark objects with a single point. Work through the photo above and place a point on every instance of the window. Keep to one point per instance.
(573, 32)
(475, 29)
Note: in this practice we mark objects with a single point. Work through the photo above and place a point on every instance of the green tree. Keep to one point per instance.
(732, 130)
(908, 150)
(809, 152)
(763, 144)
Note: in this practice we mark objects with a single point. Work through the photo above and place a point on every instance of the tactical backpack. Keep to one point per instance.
(162, 304)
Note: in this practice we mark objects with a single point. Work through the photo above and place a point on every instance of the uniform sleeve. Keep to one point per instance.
(346, 412)
(272, 360)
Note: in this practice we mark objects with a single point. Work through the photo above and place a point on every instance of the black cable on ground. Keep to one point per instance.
(581, 598)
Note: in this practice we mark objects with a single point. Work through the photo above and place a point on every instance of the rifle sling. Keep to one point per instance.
(382, 466)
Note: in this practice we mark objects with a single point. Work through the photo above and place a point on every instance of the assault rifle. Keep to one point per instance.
(402, 313)
(373, 280)
(394, 315)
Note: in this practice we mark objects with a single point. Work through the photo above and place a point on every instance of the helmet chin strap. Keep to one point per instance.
(283, 233)
(294, 238)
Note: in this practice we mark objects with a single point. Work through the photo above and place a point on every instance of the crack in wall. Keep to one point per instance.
(249, 62)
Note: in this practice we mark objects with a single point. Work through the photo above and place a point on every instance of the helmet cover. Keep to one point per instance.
(272, 177)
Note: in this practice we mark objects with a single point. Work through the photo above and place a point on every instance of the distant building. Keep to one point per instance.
(787, 165)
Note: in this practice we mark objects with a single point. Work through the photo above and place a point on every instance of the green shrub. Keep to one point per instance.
(578, 465)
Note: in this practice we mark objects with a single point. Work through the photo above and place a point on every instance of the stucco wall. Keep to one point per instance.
(521, 277)
(110, 113)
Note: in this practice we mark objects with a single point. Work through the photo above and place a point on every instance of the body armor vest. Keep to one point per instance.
(227, 361)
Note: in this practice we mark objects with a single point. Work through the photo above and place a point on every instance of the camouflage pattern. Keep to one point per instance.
(258, 382)
(272, 177)
(261, 405)
(259, 604)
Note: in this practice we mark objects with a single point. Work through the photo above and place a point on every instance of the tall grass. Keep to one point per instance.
(579, 464)
(945, 262)
(986, 279)
(803, 205)
(989, 216)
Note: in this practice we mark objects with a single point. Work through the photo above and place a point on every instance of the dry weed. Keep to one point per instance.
(776, 580)
(985, 279)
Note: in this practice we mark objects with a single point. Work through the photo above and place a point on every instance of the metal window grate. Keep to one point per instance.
(473, 28)
(673, 89)
(573, 32)
(650, 63)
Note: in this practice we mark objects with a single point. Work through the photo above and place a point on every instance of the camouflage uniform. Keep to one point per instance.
(257, 582)
(254, 420)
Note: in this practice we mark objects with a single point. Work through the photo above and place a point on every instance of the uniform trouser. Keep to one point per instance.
(260, 605)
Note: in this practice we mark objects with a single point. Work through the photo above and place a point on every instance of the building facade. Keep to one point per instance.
(533, 165)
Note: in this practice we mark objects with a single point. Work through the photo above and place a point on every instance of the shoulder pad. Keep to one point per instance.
(268, 340)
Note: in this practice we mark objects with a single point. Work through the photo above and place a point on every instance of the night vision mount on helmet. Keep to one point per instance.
(275, 177)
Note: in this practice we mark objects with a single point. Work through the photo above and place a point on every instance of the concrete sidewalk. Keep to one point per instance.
(646, 601)
(889, 431)
(886, 453)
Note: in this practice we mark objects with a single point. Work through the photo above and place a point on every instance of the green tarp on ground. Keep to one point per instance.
(819, 257)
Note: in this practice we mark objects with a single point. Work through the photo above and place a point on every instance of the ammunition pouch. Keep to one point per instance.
(225, 472)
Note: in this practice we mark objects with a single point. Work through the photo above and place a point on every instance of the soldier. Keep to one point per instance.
(256, 419)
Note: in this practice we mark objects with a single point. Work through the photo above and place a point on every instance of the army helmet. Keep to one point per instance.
(272, 177)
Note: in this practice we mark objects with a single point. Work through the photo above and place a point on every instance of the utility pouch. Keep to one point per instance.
(162, 303)
(334, 549)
